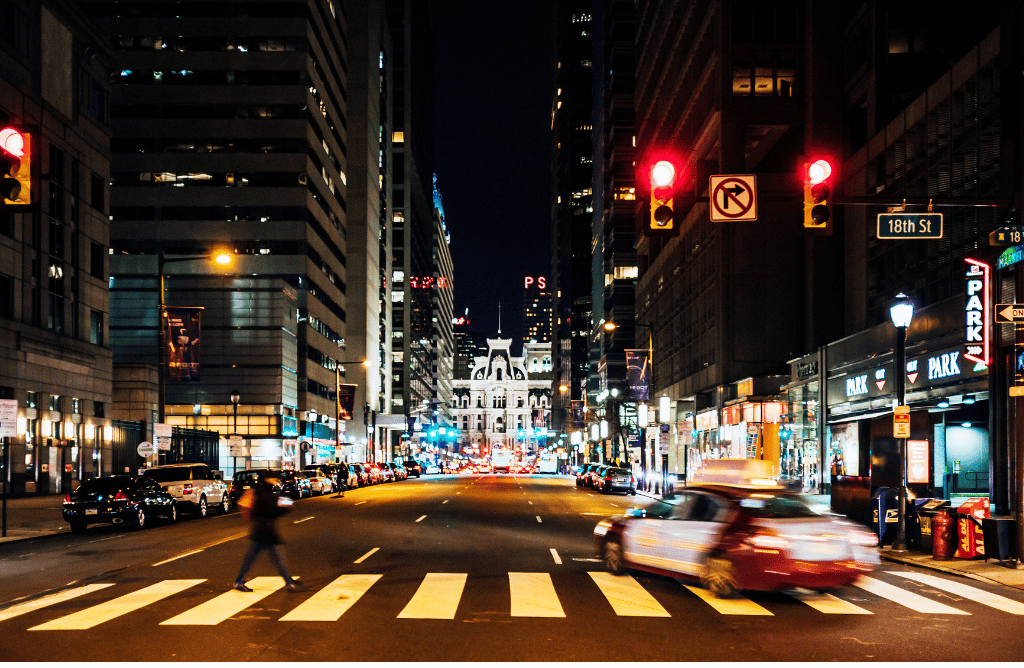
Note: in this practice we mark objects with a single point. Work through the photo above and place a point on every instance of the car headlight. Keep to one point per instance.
(602, 528)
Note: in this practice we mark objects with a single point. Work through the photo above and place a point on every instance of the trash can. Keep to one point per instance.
(969, 537)
(999, 534)
(920, 530)
(885, 514)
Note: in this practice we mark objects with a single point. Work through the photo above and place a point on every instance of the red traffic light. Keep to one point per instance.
(663, 174)
(13, 142)
(818, 171)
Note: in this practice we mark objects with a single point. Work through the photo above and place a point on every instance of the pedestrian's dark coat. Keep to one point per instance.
(265, 512)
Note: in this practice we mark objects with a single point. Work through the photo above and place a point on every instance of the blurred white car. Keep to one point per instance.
(738, 529)
(318, 482)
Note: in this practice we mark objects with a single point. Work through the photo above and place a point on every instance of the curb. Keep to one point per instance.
(885, 556)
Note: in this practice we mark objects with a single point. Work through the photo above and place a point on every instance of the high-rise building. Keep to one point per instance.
(468, 345)
(537, 311)
(572, 243)
(232, 129)
(412, 218)
(55, 357)
(442, 336)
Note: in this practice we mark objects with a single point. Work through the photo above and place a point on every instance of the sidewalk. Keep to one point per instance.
(33, 516)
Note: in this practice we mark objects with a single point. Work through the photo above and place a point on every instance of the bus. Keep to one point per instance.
(501, 459)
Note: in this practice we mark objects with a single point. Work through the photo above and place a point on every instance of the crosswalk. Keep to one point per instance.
(531, 595)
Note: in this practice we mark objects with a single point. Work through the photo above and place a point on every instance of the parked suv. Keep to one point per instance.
(329, 470)
(193, 486)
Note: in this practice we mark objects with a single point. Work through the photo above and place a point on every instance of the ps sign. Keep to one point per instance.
(540, 282)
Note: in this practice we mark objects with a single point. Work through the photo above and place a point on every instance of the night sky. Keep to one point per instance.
(493, 87)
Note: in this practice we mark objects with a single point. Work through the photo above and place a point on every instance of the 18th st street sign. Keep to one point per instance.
(910, 225)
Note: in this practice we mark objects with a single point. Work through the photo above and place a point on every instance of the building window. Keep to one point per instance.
(96, 328)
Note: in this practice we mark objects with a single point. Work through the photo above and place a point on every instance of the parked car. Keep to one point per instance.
(329, 470)
(595, 474)
(617, 480)
(319, 483)
(432, 469)
(372, 473)
(399, 471)
(413, 468)
(291, 485)
(360, 474)
(582, 473)
(747, 533)
(193, 486)
(386, 474)
(118, 499)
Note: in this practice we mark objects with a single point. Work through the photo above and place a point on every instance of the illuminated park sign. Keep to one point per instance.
(540, 282)
(977, 307)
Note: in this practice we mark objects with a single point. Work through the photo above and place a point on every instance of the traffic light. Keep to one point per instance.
(664, 176)
(16, 167)
(817, 178)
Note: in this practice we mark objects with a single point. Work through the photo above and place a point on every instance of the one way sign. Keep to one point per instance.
(1009, 312)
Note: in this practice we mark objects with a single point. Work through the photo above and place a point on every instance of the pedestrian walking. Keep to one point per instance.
(342, 479)
(263, 509)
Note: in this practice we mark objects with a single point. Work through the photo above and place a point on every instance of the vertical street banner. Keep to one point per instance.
(638, 374)
(183, 329)
(577, 415)
(346, 401)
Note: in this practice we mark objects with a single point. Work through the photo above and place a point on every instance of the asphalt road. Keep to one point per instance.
(454, 568)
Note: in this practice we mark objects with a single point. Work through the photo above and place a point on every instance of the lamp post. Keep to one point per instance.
(235, 398)
(610, 326)
(901, 310)
(222, 258)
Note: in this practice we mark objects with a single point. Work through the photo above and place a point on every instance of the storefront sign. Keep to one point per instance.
(707, 421)
(977, 309)
(806, 369)
(917, 461)
(1010, 256)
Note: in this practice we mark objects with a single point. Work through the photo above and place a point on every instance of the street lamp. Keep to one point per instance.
(222, 258)
(235, 398)
(901, 310)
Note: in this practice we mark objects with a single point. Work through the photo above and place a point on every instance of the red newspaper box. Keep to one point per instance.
(970, 542)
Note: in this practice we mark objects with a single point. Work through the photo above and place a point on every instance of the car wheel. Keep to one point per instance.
(614, 562)
(78, 527)
(717, 577)
(225, 504)
(141, 518)
(202, 507)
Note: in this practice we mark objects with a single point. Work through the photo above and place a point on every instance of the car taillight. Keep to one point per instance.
(632, 480)
(67, 499)
(186, 489)
(768, 541)
(120, 496)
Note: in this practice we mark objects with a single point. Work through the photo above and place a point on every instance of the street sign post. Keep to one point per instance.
(910, 225)
(145, 449)
(1007, 235)
(1009, 313)
(733, 197)
(901, 422)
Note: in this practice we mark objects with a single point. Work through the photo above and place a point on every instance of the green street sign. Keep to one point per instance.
(910, 225)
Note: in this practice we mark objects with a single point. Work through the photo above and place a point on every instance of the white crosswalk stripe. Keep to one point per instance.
(97, 614)
(334, 600)
(51, 599)
(532, 594)
(971, 593)
(907, 599)
(228, 604)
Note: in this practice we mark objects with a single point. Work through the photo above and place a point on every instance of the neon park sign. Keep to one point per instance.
(977, 311)
(540, 282)
(428, 282)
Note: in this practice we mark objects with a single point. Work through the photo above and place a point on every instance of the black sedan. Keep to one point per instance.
(118, 499)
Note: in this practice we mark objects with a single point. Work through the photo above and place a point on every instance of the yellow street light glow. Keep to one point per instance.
(563, 388)
(609, 326)
(223, 258)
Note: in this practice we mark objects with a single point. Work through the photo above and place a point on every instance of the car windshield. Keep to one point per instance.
(104, 485)
(776, 506)
(616, 472)
(170, 474)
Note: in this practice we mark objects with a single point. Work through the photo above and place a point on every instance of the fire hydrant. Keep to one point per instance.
(942, 537)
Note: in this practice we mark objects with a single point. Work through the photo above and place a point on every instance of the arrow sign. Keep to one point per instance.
(1009, 312)
(1007, 235)
(733, 197)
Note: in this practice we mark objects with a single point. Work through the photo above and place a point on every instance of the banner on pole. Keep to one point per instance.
(346, 401)
(638, 374)
(578, 421)
(183, 329)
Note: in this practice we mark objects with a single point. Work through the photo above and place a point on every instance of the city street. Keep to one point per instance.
(456, 568)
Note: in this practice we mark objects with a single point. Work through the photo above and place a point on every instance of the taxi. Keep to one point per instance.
(736, 528)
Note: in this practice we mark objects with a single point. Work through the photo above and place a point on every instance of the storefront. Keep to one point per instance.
(800, 435)
(948, 450)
